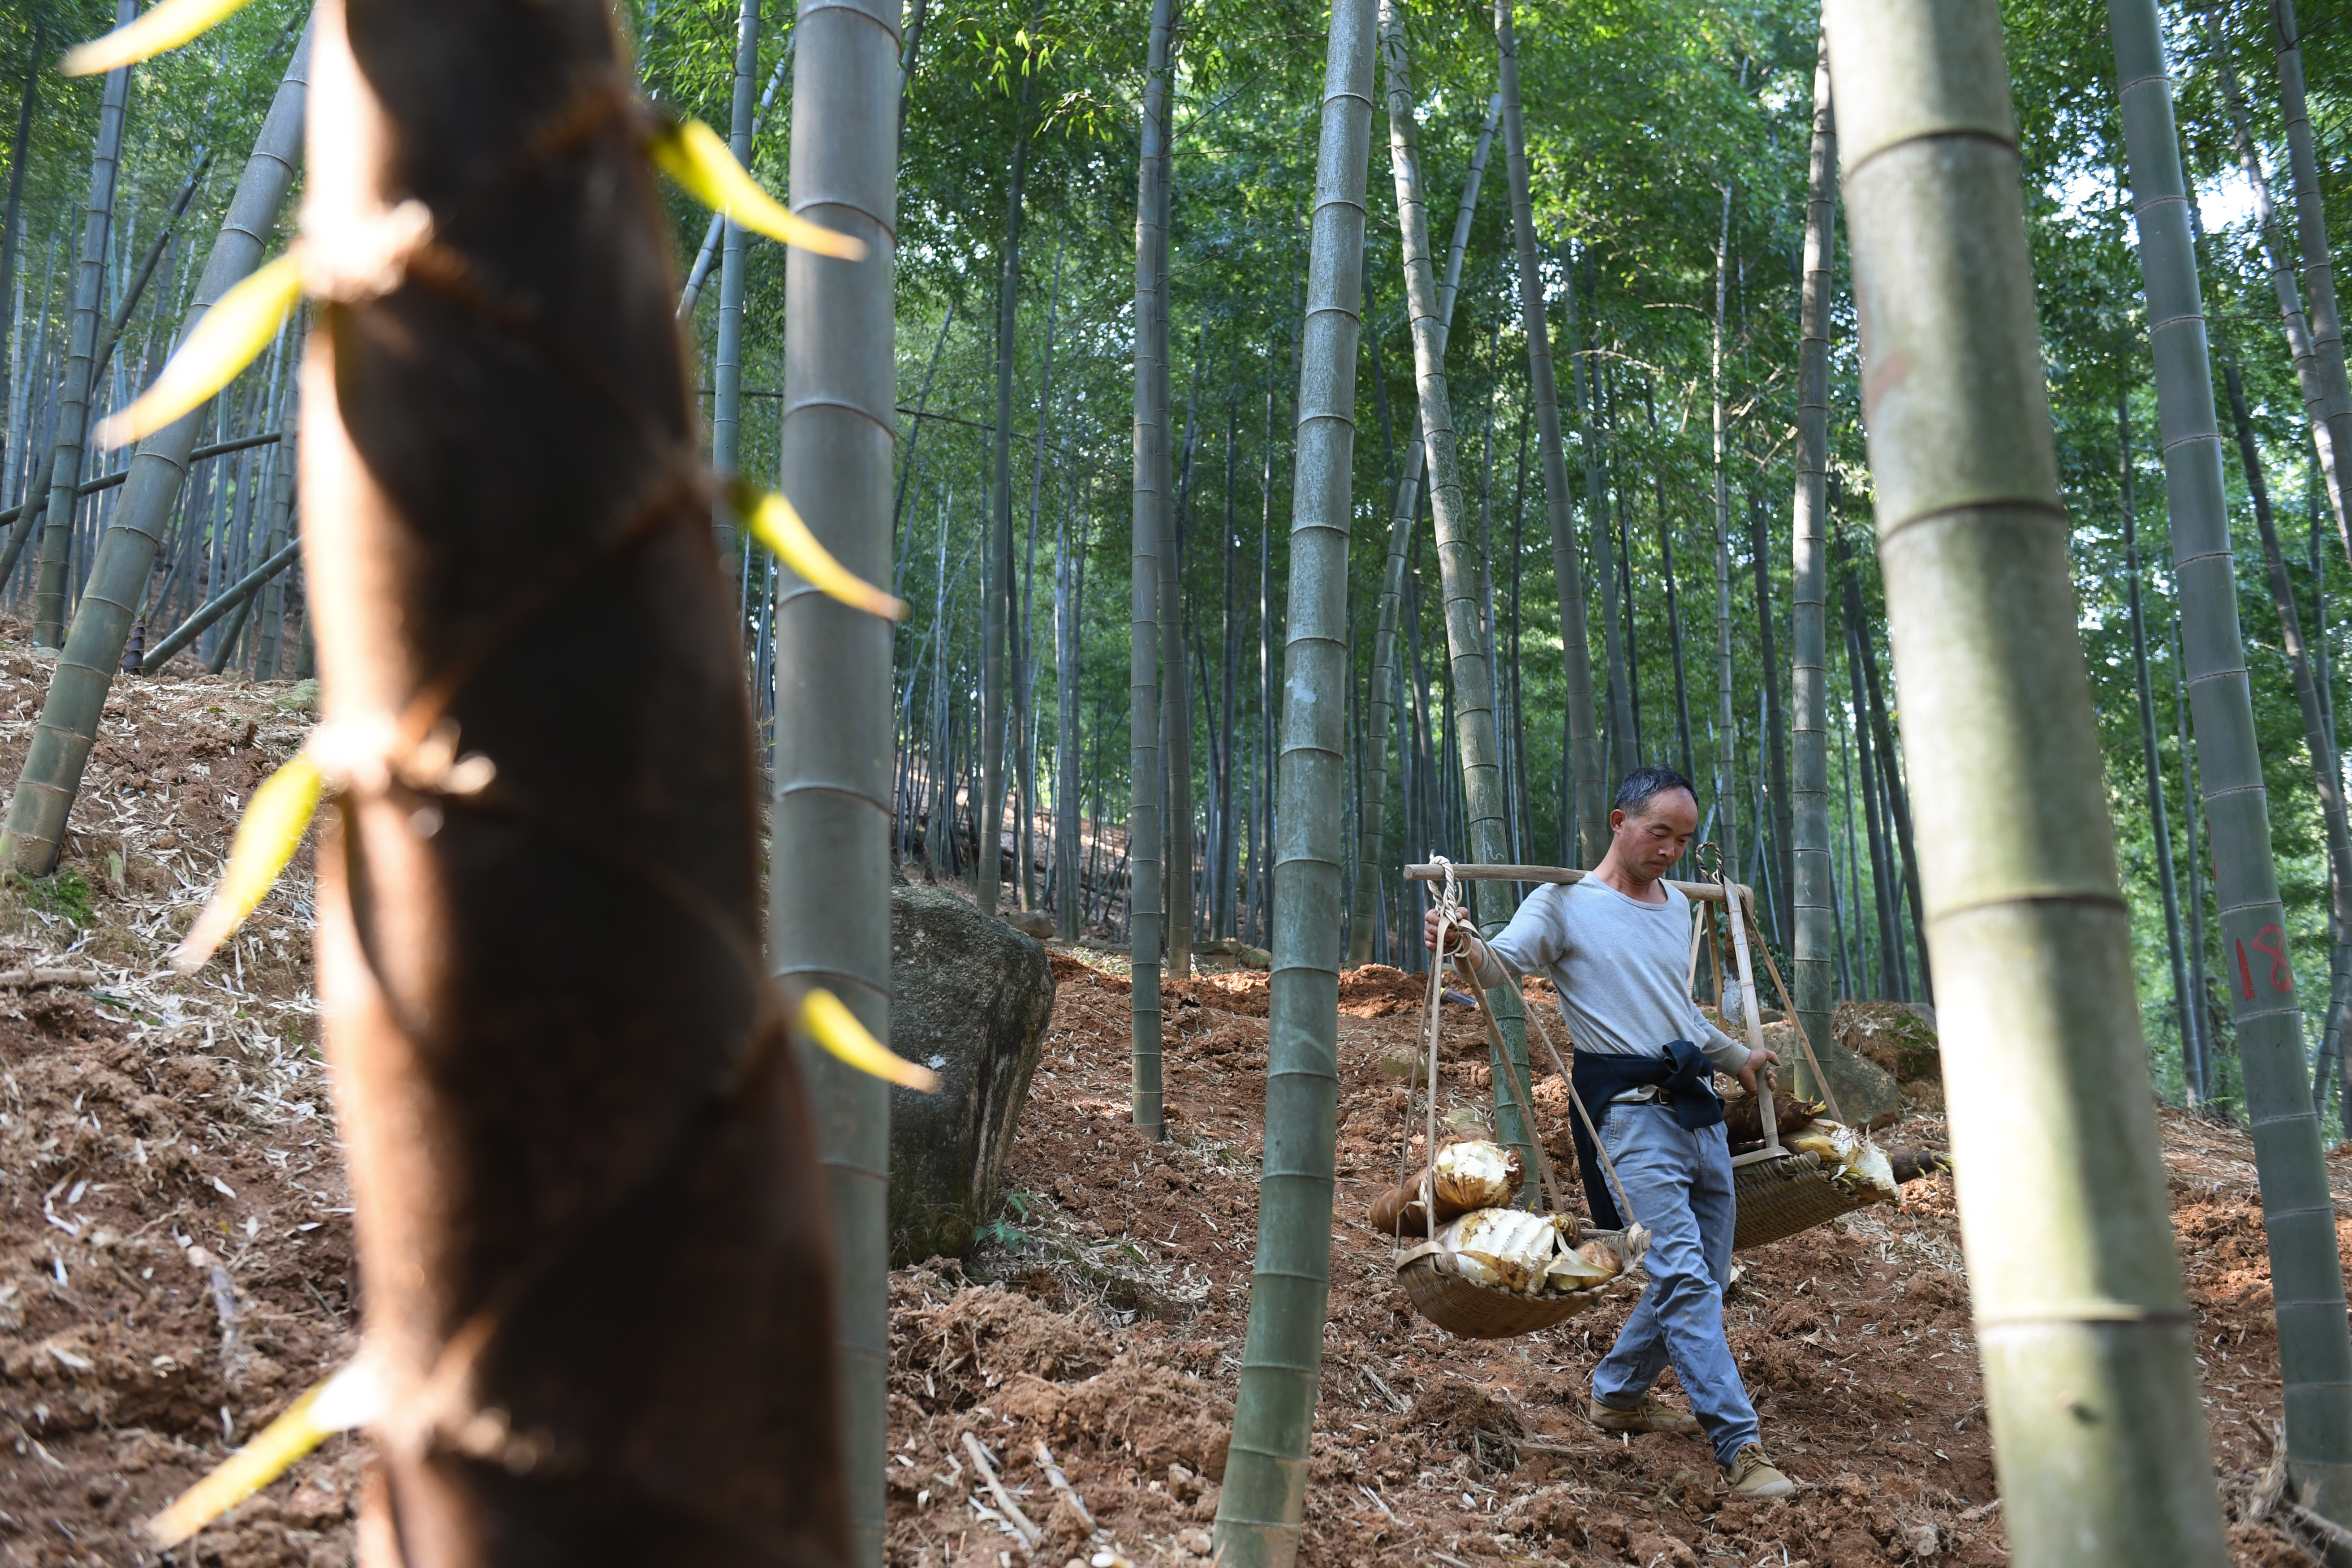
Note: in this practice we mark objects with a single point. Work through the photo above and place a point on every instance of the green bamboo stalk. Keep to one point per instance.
(2090, 1372)
(727, 352)
(2319, 269)
(12, 208)
(1024, 675)
(1814, 961)
(1145, 892)
(2202, 1080)
(1371, 869)
(2299, 1217)
(1624, 754)
(1175, 680)
(1559, 503)
(269, 649)
(996, 556)
(109, 481)
(116, 589)
(2328, 777)
(2309, 376)
(829, 893)
(1264, 1501)
(73, 402)
(231, 599)
(1471, 676)
(1726, 756)
(2152, 764)
(146, 271)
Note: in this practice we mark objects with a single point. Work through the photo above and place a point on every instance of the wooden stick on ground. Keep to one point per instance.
(1061, 1483)
(17, 979)
(1022, 1524)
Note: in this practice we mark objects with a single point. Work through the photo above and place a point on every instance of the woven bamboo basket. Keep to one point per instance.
(1473, 1311)
(1778, 1199)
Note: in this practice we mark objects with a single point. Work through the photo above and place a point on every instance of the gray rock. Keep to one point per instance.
(970, 997)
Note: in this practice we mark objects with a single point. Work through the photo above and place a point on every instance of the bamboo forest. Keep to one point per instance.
(1138, 783)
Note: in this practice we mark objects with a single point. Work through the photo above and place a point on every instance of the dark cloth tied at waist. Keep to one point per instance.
(1684, 1077)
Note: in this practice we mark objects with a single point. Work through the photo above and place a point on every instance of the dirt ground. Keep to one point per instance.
(175, 1265)
(1111, 1322)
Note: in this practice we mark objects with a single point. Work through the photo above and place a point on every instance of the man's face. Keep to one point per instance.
(1649, 841)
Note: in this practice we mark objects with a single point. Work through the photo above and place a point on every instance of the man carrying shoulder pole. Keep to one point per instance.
(1616, 943)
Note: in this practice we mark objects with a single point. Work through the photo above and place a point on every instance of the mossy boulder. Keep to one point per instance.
(1895, 1034)
(970, 997)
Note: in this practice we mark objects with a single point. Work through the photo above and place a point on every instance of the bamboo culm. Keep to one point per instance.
(1372, 823)
(1622, 755)
(1263, 1504)
(233, 598)
(1582, 760)
(996, 559)
(2061, 1182)
(2328, 775)
(125, 557)
(2310, 376)
(2151, 761)
(73, 407)
(1726, 754)
(145, 270)
(2315, 1346)
(1144, 837)
(833, 712)
(1470, 687)
(1863, 1089)
(2327, 322)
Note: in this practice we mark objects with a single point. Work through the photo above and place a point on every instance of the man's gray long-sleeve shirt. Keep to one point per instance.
(1621, 966)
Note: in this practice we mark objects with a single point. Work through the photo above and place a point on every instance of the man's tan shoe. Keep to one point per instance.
(1751, 1474)
(1653, 1416)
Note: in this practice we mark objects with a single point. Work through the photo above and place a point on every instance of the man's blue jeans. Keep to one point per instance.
(1680, 1185)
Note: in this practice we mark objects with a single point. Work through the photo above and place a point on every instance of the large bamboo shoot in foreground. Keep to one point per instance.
(591, 1234)
(2298, 1216)
(2090, 1375)
(1264, 1498)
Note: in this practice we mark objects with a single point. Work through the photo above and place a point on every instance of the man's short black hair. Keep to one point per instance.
(1634, 793)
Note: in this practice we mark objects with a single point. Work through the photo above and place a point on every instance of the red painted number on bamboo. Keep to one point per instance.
(2271, 943)
(2245, 970)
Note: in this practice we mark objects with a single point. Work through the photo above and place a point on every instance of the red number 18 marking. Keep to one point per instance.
(2271, 943)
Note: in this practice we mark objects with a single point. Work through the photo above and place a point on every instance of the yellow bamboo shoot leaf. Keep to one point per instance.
(350, 1398)
(266, 839)
(692, 153)
(826, 1021)
(166, 26)
(231, 336)
(775, 523)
